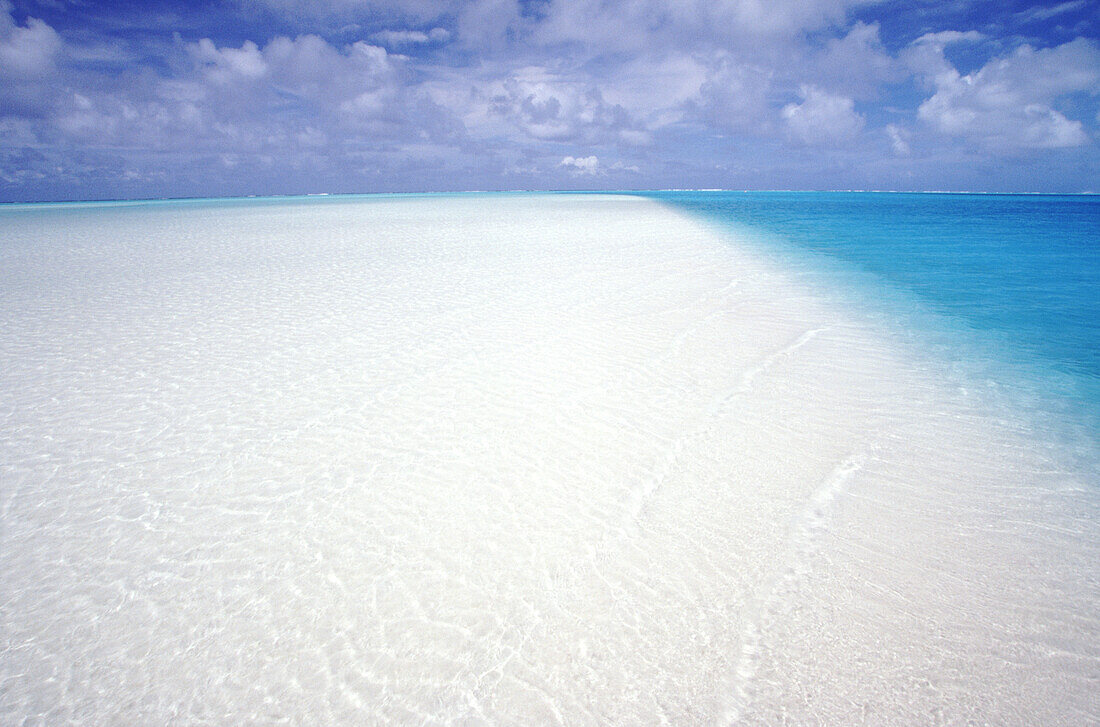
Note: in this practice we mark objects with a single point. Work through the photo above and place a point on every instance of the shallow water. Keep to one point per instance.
(1007, 287)
(506, 459)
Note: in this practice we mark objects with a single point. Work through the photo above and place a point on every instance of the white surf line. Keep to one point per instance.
(750, 375)
(803, 542)
(642, 494)
(721, 295)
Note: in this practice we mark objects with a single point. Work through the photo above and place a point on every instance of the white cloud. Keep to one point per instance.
(856, 64)
(1009, 103)
(958, 111)
(535, 103)
(899, 140)
(735, 97)
(396, 38)
(581, 165)
(944, 37)
(605, 25)
(925, 56)
(490, 25)
(354, 84)
(687, 90)
(28, 60)
(1041, 13)
(223, 65)
(822, 118)
(631, 84)
(621, 167)
(27, 51)
(527, 105)
(632, 24)
(291, 95)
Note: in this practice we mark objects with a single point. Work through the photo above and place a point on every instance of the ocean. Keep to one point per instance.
(584, 459)
(1004, 289)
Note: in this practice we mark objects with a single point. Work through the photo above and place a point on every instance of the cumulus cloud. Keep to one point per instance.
(223, 65)
(856, 64)
(28, 58)
(1009, 102)
(678, 75)
(357, 86)
(301, 105)
(26, 51)
(925, 56)
(542, 105)
(734, 96)
(582, 165)
(822, 118)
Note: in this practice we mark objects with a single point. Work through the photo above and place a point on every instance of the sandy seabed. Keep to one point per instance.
(509, 460)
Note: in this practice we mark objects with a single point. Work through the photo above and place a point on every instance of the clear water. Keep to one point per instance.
(543, 459)
(1006, 288)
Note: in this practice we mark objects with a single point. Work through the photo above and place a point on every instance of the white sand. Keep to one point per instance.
(504, 460)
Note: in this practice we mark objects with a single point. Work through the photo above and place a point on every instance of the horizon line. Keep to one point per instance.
(137, 200)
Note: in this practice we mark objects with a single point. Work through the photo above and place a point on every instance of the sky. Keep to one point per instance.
(166, 98)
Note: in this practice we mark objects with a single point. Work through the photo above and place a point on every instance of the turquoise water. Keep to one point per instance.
(1005, 288)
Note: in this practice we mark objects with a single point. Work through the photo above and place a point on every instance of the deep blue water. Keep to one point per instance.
(1004, 287)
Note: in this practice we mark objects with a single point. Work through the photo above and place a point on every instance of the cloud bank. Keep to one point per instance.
(273, 96)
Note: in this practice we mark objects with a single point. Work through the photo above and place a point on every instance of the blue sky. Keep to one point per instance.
(167, 98)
